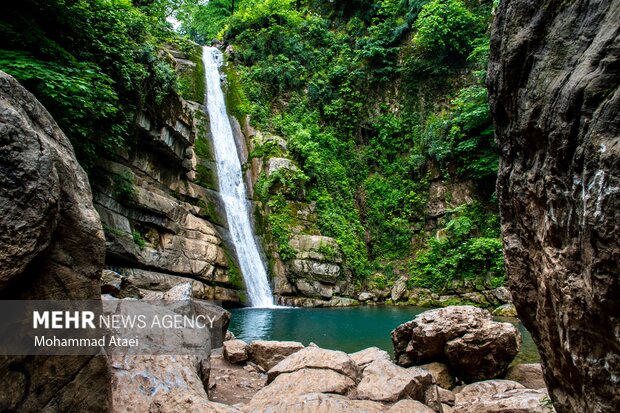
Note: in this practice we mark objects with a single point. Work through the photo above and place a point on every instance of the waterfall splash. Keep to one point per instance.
(232, 188)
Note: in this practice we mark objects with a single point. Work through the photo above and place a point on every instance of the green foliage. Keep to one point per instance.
(280, 222)
(192, 82)
(81, 99)
(93, 64)
(124, 188)
(117, 232)
(469, 249)
(348, 85)
(446, 30)
(137, 238)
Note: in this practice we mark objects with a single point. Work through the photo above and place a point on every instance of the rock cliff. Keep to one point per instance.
(158, 200)
(553, 80)
(51, 248)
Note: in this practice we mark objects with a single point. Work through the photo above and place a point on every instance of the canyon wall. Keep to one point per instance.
(553, 81)
(158, 200)
(51, 248)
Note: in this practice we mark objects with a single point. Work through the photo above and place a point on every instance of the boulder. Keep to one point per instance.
(118, 286)
(506, 310)
(51, 248)
(474, 346)
(485, 389)
(166, 384)
(446, 397)
(399, 290)
(316, 358)
(554, 81)
(485, 353)
(409, 406)
(318, 403)
(529, 375)
(441, 374)
(384, 381)
(500, 396)
(364, 357)
(235, 351)
(267, 354)
(301, 382)
(423, 339)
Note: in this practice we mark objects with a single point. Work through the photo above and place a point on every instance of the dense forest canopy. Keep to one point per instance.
(374, 97)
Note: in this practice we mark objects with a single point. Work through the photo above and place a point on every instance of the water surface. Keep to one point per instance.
(348, 329)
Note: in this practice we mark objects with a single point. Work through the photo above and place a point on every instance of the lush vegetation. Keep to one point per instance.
(377, 100)
(92, 63)
(372, 96)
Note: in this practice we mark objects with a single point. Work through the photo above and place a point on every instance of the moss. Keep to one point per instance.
(137, 238)
(236, 101)
(117, 232)
(205, 177)
(192, 82)
(124, 188)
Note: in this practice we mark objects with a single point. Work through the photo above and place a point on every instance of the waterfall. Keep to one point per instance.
(232, 188)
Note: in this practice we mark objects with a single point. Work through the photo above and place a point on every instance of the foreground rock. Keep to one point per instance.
(163, 384)
(554, 77)
(267, 354)
(51, 248)
(500, 396)
(441, 374)
(316, 358)
(384, 381)
(235, 351)
(319, 403)
(367, 356)
(529, 375)
(473, 345)
(300, 382)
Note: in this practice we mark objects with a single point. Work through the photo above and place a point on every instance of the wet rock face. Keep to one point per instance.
(51, 248)
(553, 81)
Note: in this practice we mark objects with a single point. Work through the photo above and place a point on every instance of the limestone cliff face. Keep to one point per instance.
(159, 205)
(51, 248)
(554, 85)
(312, 274)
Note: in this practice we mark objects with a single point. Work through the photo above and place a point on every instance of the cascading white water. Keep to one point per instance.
(232, 188)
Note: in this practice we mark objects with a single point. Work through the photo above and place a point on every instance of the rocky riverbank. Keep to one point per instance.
(278, 376)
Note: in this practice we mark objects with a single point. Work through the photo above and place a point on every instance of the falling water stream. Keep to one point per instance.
(232, 188)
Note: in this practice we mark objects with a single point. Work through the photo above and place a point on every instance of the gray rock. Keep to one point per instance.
(529, 375)
(235, 351)
(506, 310)
(409, 406)
(441, 374)
(318, 403)
(500, 396)
(423, 339)
(300, 382)
(553, 86)
(399, 290)
(267, 354)
(364, 357)
(316, 358)
(484, 353)
(475, 347)
(51, 248)
(384, 381)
